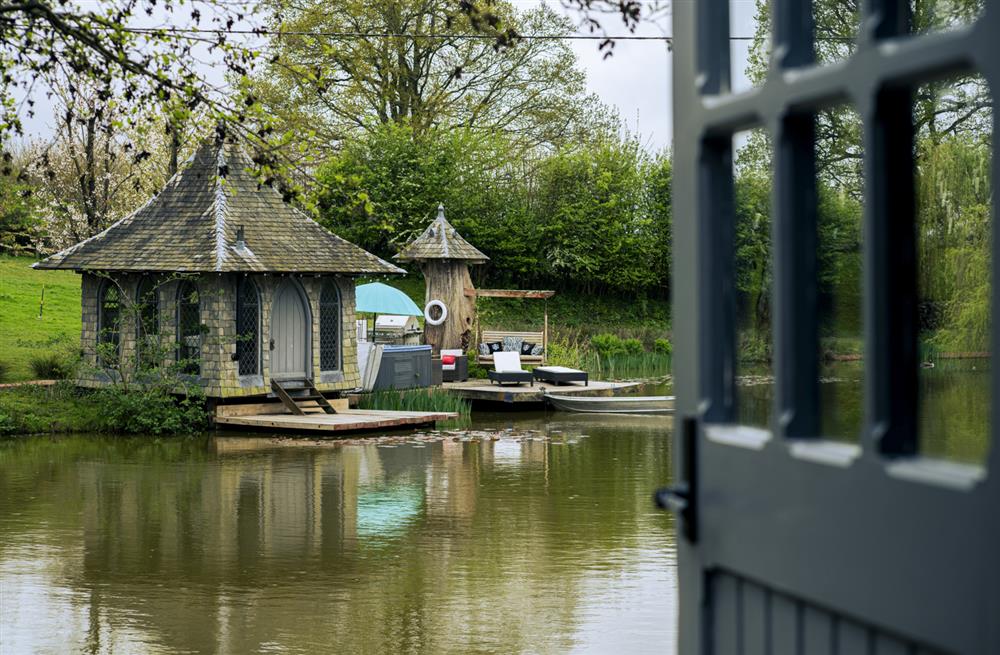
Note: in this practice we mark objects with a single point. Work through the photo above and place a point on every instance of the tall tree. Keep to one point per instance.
(94, 172)
(21, 226)
(136, 54)
(349, 65)
(939, 109)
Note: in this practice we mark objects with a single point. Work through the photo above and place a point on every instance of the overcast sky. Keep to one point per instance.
(636, 79)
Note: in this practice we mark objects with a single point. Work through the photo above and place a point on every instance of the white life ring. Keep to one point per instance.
(427, 312)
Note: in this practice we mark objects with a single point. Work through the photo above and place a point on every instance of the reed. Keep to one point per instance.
(637, 366)
(416, 400)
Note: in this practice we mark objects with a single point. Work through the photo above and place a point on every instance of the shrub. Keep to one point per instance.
(52, 366)
(754, 348)
(564, 353)
(607, 345)
(633, 347)
(663, 346)
(476, 370)
(152, 411)
(7, 424)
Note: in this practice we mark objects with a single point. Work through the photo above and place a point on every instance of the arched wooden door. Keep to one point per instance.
(290, 333)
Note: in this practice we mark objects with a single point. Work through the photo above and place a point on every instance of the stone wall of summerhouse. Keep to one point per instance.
(219, 375)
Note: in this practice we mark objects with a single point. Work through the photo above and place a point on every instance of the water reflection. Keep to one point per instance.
(954, 411)
(540, 541)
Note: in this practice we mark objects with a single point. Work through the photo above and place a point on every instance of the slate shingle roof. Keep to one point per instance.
(441, 241)
(193, 224)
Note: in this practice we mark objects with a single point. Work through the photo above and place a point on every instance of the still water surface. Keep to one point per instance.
(529, 534)
(526, 533)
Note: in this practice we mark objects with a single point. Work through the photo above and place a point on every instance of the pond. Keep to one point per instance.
(524, 532)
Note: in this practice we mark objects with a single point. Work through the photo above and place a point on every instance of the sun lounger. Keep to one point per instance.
(559, 374)
(507, 370)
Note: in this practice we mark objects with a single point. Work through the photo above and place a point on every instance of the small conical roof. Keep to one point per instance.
(214, 216)
(441, 241)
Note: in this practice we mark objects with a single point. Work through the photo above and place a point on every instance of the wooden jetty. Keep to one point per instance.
(482, 390)
(275, 416)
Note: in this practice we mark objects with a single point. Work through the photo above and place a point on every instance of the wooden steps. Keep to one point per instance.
(301, 397)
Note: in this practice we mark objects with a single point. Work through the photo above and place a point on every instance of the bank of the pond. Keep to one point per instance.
(32, 409)
(63, 408)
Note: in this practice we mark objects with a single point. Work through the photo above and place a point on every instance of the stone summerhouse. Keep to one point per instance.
(228, 281)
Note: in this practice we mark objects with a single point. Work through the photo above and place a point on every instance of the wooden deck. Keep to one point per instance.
(272, 416)
(482, 390)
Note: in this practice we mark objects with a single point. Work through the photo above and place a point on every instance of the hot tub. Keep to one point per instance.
(404, 367)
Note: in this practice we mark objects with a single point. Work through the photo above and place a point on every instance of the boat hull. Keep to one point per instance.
(613, 405)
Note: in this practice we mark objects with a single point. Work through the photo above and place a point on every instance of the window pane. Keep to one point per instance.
(840, 190)
(189, 329)
(942, 15)
(108, 336)
(329, 316)
(754, 268)
(953, 121)
(247, 328)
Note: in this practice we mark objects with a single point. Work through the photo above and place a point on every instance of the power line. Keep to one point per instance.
(402, 35)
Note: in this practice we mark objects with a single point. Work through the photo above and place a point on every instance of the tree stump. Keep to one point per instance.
(447, 281)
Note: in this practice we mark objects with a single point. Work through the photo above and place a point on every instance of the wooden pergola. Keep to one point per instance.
(535, 294)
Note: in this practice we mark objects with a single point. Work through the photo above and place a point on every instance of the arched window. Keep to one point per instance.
(109, 322)
(188, 328)
(247, 327)
(147, 326)
(329, 328)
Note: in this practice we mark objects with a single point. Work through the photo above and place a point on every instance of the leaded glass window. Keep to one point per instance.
(189, 333)
(109, 322)
(148, 324)
(329, 328)
(247, 327)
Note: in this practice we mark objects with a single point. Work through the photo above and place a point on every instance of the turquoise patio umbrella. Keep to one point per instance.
(377, 298)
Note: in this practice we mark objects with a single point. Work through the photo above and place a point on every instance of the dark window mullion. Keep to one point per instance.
(793, 33)
(888, 18)
(718, 285)
(795, 305)
(994, 457)
(890, 276)
(713, 47)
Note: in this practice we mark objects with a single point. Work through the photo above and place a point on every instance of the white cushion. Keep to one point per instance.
(507, 362)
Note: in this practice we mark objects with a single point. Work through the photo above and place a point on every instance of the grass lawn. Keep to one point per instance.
(23, 334)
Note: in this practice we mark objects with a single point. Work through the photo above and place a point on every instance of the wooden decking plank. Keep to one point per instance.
(345, 420)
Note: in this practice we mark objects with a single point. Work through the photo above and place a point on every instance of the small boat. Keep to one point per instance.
(613, 404)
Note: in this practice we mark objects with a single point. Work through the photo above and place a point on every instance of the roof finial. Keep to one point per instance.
(441, 211)
(220, 132)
